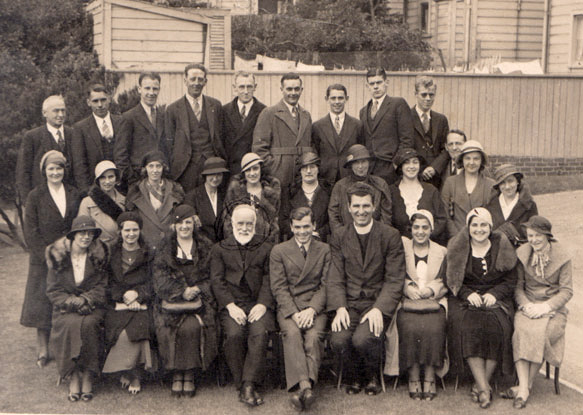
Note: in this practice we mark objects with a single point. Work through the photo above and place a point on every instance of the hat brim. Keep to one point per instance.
(460, 159)
(96, 232)
(117, 175)
(215, 170)
(253, 163)
(347, 163)
(515, 173)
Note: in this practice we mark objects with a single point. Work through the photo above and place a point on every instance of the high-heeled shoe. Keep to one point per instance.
(415, 390)
(429, 392)
(485, 399)
(177, 385)
(189, 387)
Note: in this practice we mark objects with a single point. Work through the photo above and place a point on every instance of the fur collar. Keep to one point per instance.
(104, 202)
(58, 254)
(271, 193)
(458, 252)
(203, 248)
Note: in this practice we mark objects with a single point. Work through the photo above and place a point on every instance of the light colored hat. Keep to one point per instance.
(480, 212)
(357, 152)
(426, 214)
(52, 156)
(249, 160)
(471, 146)
(104, 166)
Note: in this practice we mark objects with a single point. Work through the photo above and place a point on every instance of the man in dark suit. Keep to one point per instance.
(193, 129)
(54, 135)
(387, 123)
(333, 135)
(141, 129)
(454, 141)
(364, 288)
(240, 282)
(298, 270)
(431, 130)
(94, 137)
(239, 119)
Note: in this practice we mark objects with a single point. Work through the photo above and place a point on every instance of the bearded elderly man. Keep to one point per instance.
(240, 282)
(298, 273)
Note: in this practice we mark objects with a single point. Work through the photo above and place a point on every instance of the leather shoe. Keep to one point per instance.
(308, 398)
(246, 395)
(372, 387)
(519, 403)
(485, 399)
(258, 398)
(353, 389)
(296, 401)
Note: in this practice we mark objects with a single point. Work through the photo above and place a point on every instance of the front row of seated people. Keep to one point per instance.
(492, 305)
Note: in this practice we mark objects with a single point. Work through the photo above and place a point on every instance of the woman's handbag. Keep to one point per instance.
(191, 306)
(421, 306)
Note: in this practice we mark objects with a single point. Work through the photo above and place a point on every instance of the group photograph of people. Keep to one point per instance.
(203, 243)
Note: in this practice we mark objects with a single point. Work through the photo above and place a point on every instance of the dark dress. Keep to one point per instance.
(199, 199)
(319, 206)
(76, 337)
(187, 340)
(43, 225)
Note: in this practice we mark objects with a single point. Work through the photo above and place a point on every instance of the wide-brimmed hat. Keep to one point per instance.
(504, 171)
(405, 154)
(182, 212)
(129, 217)
(214, 165)
(540, 224)
(154, 155)
(309, 158)
(471, 146)
(357, 152)
(83, 223)
(249, 160)
(104, 166)
(52, 156)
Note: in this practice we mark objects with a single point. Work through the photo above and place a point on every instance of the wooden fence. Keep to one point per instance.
(523, 116)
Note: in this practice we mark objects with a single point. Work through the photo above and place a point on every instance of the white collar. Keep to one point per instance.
(147, 108)
(192, 100)
(54, 130)
(380, 100)
(420, 113)
(248, 106)
(100, 120)
(363, 230)
(306, 245)
(340, 116)
(290, 107)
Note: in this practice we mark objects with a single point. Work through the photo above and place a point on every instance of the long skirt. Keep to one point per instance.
(539, 339)
(36, 308)
(421, 339)
(180, 347)
(128, 355)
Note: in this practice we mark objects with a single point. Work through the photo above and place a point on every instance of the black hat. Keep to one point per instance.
(129, 217)
(154, 155)
(214, 165)
(182, 212)
(83, 223)
(540, 224)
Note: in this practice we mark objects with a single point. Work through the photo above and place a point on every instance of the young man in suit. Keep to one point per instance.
(298, 271)
(54, 135)
(239, 120)
(193, 129)
(141, 129)
(388, 125)
(454, 141)
(240, 282)
(364, 288)
(431, 130)
(333, 135)
(93, 137)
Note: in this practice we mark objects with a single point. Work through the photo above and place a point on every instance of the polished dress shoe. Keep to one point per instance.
(372, 387)
(308, 398)
(296, 400)
(258, 398)
(246, 395)
(353, 389)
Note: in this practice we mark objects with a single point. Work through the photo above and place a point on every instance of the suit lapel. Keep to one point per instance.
(417, 122)
(295, 255)
(48, 140)
(143, 118)
(235, 117)
(330, 133)
(353, 244)
(284, 115)
(433, 126)
(210, 115)
(303, 114)
(373, 237)
(381, 112)
(95, 134)
(310, 261)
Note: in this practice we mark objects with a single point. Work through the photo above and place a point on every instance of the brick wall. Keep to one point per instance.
(540, 166)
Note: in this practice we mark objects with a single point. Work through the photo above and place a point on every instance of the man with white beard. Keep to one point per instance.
(240, 282)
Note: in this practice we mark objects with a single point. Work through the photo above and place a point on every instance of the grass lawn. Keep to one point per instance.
(26, 389)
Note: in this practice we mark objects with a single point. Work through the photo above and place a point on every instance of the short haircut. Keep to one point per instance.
(424, 81)
(243, 74)
(195, 66)
(96, 88)
(376, 72)
(300, 213)
(290, 76)
(49, 101)
(337, 87)
(360, 189)
(150, 75)
(458, 132)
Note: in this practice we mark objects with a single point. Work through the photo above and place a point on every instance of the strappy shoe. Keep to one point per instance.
(74, 396)
(485, 399)
(86, 396)
(42, 361)
(124, 381)
(429, 392)
(519, 403)
(474, 393)
(509, 393)
(135, 386)
(415, 390)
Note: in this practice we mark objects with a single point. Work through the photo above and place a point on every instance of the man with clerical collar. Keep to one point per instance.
(298, 271)
(193, 127)
(359, 162)
(94, 137)
(240, 282)
(334, 134)
(53, 135)
(365, 285)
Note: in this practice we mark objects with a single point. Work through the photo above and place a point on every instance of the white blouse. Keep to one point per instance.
(60, 198)
(78, 262)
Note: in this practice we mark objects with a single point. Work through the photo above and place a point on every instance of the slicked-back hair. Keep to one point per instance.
(96, 88)
(49, 100)
(243, 74)
(376, 72)
(289, 76)
(195, 66)
(360, 189)
(336, 87)
(300, 213)
(458, 132)
(424, 81)
(150, 75)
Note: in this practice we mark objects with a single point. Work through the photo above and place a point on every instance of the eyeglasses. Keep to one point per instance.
(427, 94)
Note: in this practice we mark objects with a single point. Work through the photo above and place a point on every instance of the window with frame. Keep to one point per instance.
(424, 16)
(577, 41)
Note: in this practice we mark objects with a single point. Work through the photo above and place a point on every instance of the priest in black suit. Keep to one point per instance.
(239, 119)
(93, 137)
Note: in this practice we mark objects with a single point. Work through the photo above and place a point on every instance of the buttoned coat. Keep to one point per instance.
(136, 137)
(178, 132)
(376, 280)
(319, 206)
(87, 150)
(433, 152)
(278, 140)
(34, 145)
(199, 199)
(230, 266)
(238, 134)
(297, 282)
(333, 147)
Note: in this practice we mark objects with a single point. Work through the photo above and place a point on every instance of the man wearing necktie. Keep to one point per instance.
(430, 132)
(454, 141)
(194, 130)
(54, 135)
(298, 271)
(334, 134)
(141, 129)
(239, 119)
(94, 137)
(388, 125)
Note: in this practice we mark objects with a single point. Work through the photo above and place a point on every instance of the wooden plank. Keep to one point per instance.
(524, 13)
(157, 24)
(157, 46)
(163, 35)
(508, 28)
(170, 57)
(107, 53)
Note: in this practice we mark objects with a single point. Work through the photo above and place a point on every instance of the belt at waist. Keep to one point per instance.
(280, 151)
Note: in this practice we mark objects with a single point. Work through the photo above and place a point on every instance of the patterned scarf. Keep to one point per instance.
(157, 192)
(540, 260)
